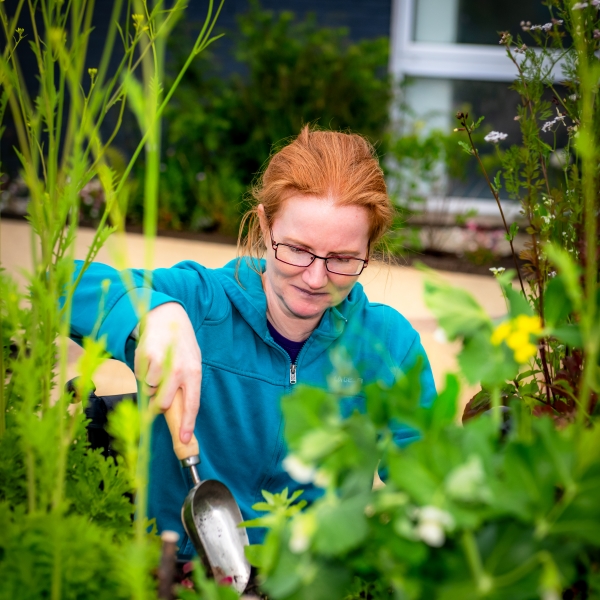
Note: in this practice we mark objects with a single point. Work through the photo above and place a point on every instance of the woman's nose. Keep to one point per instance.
(315, 275)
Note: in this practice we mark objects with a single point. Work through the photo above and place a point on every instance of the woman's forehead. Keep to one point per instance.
(312, 220)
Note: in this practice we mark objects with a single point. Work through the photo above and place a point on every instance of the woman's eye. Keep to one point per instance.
(341, 259)
(297, 250)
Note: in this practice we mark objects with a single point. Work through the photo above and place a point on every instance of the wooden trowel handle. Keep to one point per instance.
(174, 416)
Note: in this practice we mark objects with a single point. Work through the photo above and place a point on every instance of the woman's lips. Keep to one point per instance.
(309, 293)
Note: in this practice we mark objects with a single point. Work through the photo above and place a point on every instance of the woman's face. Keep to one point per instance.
(324, 228)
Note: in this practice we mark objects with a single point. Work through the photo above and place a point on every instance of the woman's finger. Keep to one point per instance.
(191, 405)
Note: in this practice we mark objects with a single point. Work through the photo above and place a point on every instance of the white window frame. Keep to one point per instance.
(448, 61)
(475, 62)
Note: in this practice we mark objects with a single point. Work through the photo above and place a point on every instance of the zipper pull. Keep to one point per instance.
(292, 373)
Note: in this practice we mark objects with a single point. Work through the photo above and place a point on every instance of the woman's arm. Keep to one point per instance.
(110, 303)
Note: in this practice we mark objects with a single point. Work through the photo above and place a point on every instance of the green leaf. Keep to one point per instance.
(481, 361)
(570, 273)
(457, 312)
(568, 334)
(466, 147)
(443, 410)
(254, 554)
(341, 526)
(557, 304)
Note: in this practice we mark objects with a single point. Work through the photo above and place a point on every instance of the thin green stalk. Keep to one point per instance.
(2, 382)
(496, 403)
(201, 43)
(463, 121)
(588, 76)
(482, 580)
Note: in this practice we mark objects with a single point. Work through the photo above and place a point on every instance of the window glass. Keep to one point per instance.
(473, 21)
(434, 103)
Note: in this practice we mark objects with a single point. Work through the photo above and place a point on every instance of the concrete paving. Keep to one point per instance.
(400, 287)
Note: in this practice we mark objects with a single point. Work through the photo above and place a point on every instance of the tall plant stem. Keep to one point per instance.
(463, 122)
(587, 147)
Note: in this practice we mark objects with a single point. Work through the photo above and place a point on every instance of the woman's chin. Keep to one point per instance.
(307, 309)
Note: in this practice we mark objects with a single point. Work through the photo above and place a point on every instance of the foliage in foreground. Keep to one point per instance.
(504, 507)
(491, 509)
(66, 520)
(560, 209)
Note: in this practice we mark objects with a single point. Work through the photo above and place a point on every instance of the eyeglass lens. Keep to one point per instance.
(301, 258)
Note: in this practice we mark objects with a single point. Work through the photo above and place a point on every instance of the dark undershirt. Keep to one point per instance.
(291, 347)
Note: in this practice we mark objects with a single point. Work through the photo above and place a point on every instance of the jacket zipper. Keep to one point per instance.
(293, 373)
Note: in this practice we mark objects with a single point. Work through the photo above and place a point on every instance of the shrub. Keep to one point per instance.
(222, 128)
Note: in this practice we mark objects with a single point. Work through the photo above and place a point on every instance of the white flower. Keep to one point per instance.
(433, 524)
(431, 533)
(439, 335)
(298, 470)
(304, 526)
(595, 3)
(497, 271)
(579, 5)
(495, 136)
(547, 126)
(546, 26)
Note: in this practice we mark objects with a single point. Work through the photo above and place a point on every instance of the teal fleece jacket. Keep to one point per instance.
(245, 373)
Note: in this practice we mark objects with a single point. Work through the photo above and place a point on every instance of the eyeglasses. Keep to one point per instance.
(297, 257)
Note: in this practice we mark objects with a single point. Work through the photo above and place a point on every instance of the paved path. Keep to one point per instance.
(400, 287)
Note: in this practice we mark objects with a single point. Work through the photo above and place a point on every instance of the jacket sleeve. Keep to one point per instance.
(109, 303)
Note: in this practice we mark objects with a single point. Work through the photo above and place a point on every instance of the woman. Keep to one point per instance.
(263, 325)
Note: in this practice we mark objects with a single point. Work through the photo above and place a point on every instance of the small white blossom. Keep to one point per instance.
(547, 126)
(433, 524)
(497, 271)
(595, 3)
(580, 5)
(431, 533)
(439, 335)
(304, 526)
(495, 136)
(298, 470)
(545, 27)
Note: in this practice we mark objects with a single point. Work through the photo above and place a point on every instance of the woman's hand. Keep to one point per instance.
(168, 358)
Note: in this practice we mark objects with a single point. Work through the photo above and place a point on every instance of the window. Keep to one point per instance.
(449, 49)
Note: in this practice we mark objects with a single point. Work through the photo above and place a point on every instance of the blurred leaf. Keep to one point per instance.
(444, 408)
(557, 305)
(341, 526)
(570, 273)
(457, 312)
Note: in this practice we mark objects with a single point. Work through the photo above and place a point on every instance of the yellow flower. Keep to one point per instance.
(517, 339)
(529, 324)
(501, 333)
(525, 353)
(517, 335)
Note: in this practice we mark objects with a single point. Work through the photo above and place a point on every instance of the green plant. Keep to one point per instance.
(559, 204)
(504, 506)
(67, 528)
(466, 512)
(222, 128)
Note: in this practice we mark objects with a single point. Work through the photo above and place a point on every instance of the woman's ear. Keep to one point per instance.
(262, 221)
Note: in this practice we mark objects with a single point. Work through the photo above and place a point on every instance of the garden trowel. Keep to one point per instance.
(210, 514)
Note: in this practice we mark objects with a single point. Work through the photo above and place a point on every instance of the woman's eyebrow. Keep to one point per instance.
(294, 242)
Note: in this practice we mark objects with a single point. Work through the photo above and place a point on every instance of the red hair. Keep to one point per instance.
(326, 164)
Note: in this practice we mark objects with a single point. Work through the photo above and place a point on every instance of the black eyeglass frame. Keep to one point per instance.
(275, 245)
